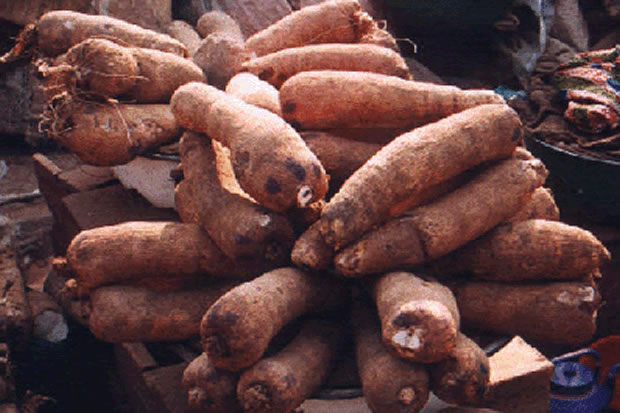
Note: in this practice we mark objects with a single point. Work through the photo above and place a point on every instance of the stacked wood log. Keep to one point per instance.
(433, 211)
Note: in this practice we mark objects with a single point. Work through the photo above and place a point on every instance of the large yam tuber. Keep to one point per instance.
(242, 229)
(535, 249)
(107, 134)
(390, 384)
(210, 390)
(340, 21)
(561, 313)
(58, 30)
(442, 226)
(415, 161)
(250, 89)
(277, 67)
(107, 69)
(236, 330)
(326, 99)
(271, 161)
(419, 318)
(132, 250)
(280, 383)
(463, 377)
(129, 314)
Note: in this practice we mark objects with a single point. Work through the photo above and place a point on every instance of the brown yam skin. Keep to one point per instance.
(132, 250)
(135, 73)
(271, 161)
(419, 319)
(280, 383)
(216, 21)
(112, 134)
(220, 57)
(252, 90)
(339, 156)
(236, 330)
(328, 22)
(210, 390)
(463, 377)
(534, 249)
(60, 29)
(242, 229)
(449, 222)
(131, 314)
(561, 313)
(277, 67)
(439, 151)
(326, 99)
(311, 251)
(540, 206)
(103, 67)
(161, 74)
(184, 33)
(390, 384)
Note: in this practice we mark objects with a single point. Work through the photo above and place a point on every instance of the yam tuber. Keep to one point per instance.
(415, 161)
(443, 225)
(210, 390)
(129, 314)
(236, 330)
(131, 250)
(341, 21)
(271, 161)
(326, 99)
(463, 377)
(280, 383)
(390, 384)
(250, 89)
(216, 21)
(540, 206)
(419, 319)
(277, 67)
(534, 249)
(561, 313)
(184, 33)
(107, 134)
(242, 229)
(107, 70)
(311, 251)
(58, 30)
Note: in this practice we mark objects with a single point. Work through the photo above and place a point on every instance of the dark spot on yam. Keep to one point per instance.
(272, 186)
(266, 74)
(296, 125)
(484, 369)
(405, 320)
(289, 107)
(480, 391)
(242, 158)
(290, 380)
(317, 170)
(282, 77)
(296, 169)
(107, 27)
(242, 239)
(516, 134)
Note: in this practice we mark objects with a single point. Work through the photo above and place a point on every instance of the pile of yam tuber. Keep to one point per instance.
(324, 193)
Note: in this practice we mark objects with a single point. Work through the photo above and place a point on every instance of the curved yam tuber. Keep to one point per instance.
(280, 383)
(111, 134)
(554, 313)
(419, 319)
(210, 390)
(413, 162)
(242, 229)
(340, 21)
(130, 314)
(390, 384)
(271, 161)
(236, 330)
(58, 30)
(134, 250)
(277, 67)
(463, 377)
(326, 99)
(250, 89)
